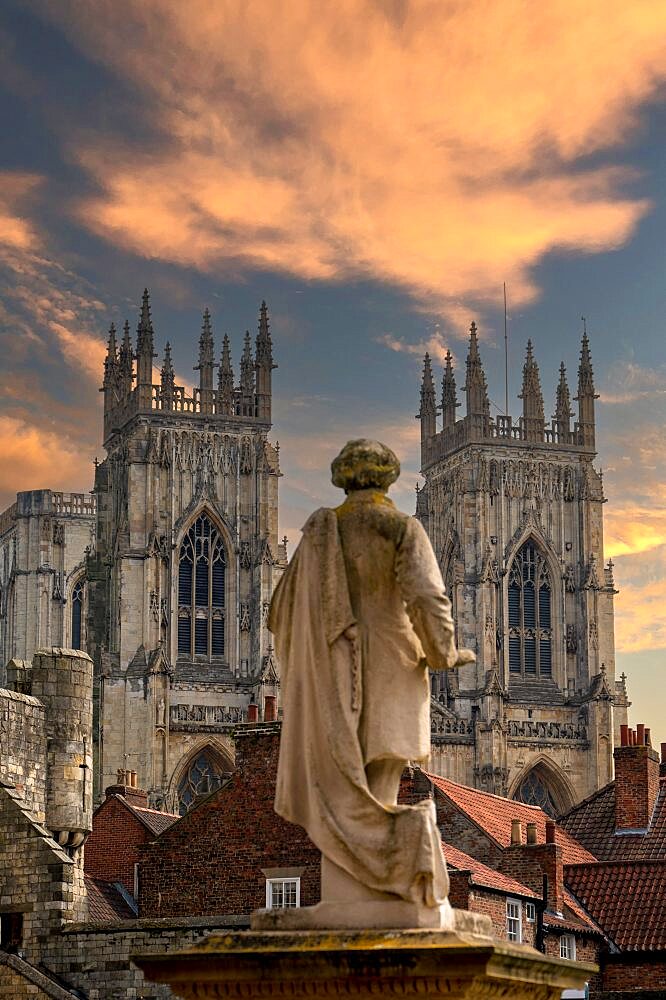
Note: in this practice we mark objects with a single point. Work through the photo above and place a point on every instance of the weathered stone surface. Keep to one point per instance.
(363, 964)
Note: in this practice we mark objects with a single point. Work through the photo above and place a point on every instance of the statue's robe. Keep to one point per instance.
(357, 616)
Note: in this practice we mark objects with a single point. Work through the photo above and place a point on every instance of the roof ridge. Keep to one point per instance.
(480, 791)
(616, 861)
(583, 802)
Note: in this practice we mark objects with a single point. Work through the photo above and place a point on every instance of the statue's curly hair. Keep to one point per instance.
(364, 464)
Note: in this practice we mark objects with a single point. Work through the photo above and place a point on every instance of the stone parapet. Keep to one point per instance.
(363, 963)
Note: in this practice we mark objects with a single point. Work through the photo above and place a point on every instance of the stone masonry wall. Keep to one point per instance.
(37, 878)
(23, 748)
(97, 958)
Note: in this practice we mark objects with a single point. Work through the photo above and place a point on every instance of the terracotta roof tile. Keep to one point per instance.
(494, 814)
(626, 898)
(592, 822)
(156, 821)
(105, 903)
(484, 876)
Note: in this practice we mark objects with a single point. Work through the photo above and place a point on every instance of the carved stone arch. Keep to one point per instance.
(531, 532)
(220, 756)
(190, 515)
(76, 608)
(552, 778)
(214, 612)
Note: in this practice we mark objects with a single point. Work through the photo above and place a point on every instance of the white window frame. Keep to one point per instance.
(530, 913)
(568, 947)
(514, 920)
(271, 883)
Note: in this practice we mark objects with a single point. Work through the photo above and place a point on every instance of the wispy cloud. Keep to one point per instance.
(430, 146)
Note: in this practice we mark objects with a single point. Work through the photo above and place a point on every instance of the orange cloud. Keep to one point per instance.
(34, 458)
(433, 146)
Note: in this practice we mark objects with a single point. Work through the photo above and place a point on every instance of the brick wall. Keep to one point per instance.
(635, 972)
(23, 748)
(636, 786)
(211, 861)
(114, 846)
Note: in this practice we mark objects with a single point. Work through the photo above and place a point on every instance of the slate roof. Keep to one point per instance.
(626, 898)
(105, 903)
(484, 876)
(592, 822)
(493, 814)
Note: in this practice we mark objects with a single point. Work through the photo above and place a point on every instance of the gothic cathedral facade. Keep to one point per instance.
(185, 562)
(514, 509)
(165, 572)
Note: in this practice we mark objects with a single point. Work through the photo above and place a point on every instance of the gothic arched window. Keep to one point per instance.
(202, 776)
(534, 791)
(77, 612)
(201, 591)
(530, 633)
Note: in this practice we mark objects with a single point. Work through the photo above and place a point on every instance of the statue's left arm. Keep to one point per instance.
(426, 603)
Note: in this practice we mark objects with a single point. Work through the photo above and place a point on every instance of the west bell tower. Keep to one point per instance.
(514, 509)
(185, 562)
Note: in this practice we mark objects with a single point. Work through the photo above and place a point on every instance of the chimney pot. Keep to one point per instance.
(252, 712)
(119, 776)
(550, 831)
(663, 753)
(624, 736)
(648, 741)
(640, 735)
(133, 781)
(270, 708)
(516, 832)
(531, 833)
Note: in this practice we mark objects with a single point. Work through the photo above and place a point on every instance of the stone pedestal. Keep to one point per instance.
(363, 964)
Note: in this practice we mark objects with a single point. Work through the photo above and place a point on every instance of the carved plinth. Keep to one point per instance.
(363, 964)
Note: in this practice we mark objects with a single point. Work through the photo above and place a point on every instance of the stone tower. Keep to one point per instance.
(514, 509)
(185, 562)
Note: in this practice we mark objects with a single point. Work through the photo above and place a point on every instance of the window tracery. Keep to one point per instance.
(534, 791)
(530, 604)
(201, 591)
(78, 594)
(202, 776)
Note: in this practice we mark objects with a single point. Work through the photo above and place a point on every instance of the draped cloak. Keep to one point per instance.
(328, 662)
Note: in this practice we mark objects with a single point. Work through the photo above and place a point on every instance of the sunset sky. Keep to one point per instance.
(375, 171)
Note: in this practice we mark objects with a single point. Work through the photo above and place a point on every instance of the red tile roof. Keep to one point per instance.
(592, 822)
(105, 903)
(156, 821)
(626, 898)
(493, 814)
(484, 876)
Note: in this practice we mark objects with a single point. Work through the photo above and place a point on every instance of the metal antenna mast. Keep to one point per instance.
(506, 359)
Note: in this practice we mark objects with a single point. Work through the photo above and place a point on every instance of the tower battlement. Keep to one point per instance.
(479, 427)
(130, 389)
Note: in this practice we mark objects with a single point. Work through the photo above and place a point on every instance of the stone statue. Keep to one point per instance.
(358, 617)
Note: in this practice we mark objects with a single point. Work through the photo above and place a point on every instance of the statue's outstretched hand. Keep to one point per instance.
(464, 656)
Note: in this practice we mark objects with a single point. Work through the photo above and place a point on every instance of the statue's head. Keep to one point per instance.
(365, 464)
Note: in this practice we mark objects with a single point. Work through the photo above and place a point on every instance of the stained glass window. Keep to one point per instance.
(202, 776)
(77, 613)
(530, 632)
(534, 791)
(201, 591)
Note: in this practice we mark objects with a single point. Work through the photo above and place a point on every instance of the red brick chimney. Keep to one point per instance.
(636, 779)
(530, 862)
(127, 786)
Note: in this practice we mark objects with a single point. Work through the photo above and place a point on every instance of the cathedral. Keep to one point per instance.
(514, 510)
(164, 574)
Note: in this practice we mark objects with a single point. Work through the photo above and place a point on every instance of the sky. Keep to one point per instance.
(375, 171)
